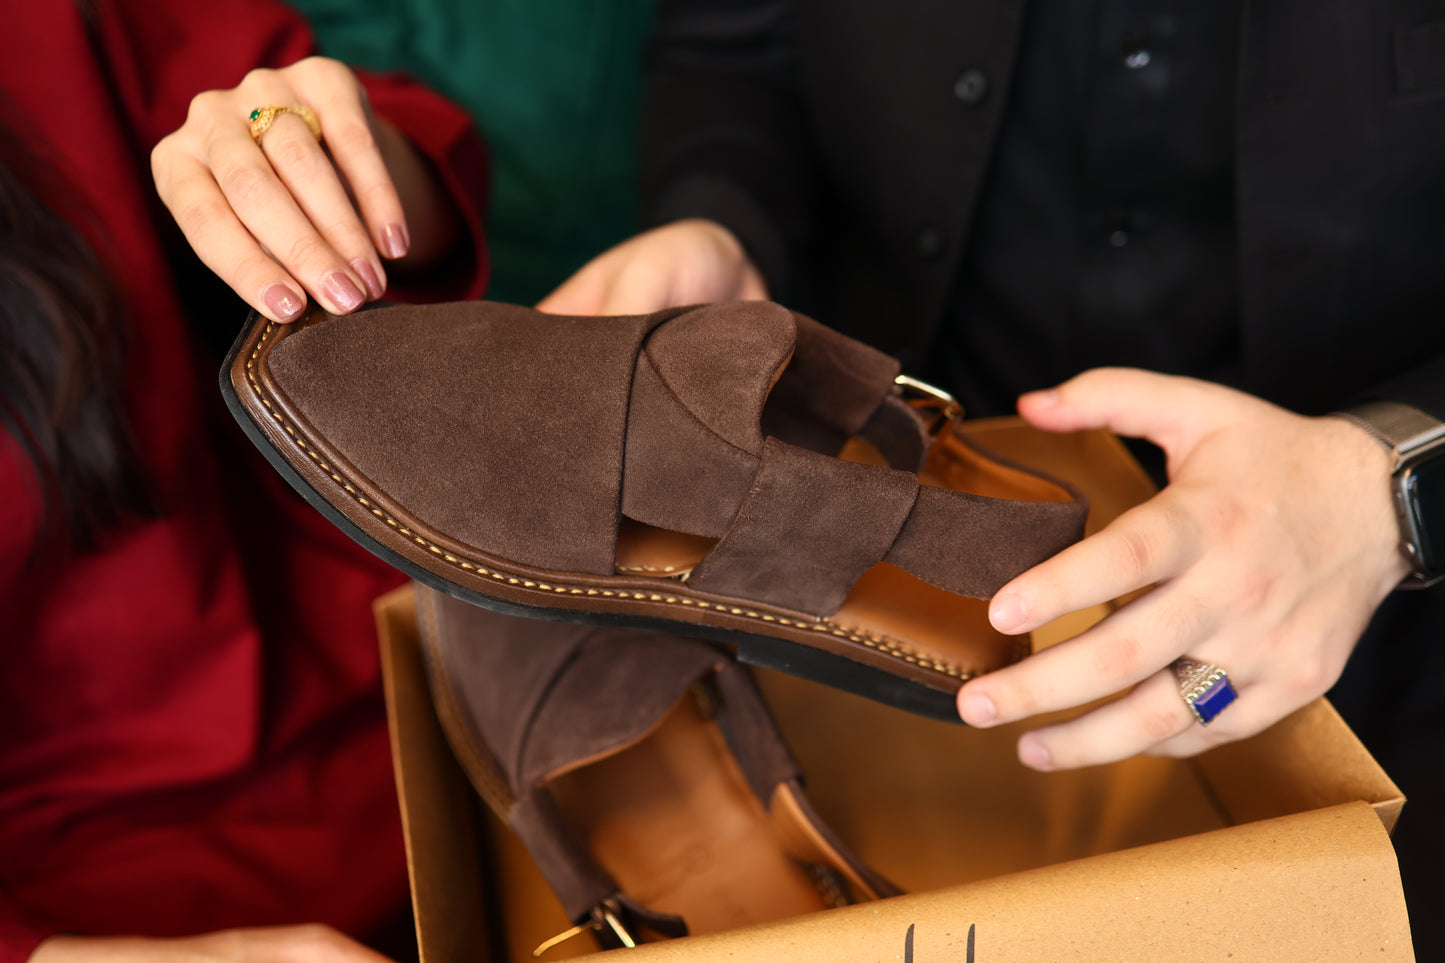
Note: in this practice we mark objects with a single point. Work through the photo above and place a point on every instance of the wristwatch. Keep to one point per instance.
(1417, 442)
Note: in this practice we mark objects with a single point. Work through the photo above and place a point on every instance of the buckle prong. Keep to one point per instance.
(927, 395)
(603, 914)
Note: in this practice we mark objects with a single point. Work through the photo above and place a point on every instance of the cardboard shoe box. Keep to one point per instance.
(1271, 848)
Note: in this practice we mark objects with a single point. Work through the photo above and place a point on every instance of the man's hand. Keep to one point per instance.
(272, 944)
(686, 262)
(1271, 547)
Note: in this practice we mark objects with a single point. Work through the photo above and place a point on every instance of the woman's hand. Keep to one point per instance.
(291, 216)
(1271, 547)
(273, 944)
(686, 262)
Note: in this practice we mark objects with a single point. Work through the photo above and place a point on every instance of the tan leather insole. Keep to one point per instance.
(672, 820)
(887, 601)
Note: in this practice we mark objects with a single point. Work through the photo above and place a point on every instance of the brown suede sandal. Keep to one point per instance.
(736, 472)
(643, 772)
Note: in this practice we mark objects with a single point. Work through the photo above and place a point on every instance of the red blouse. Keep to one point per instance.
(192, 734)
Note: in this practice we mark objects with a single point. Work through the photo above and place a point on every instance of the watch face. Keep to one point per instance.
(1425, 508)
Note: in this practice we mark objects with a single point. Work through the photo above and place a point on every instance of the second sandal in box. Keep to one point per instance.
(643, 773)
(736, 472)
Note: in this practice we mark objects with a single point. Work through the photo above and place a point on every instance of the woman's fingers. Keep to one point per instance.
(348, 132)
(306, 172)
(223, 243)
(289, 215)
(269, 211)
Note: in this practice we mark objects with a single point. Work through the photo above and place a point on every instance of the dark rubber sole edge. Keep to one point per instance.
(766, 651)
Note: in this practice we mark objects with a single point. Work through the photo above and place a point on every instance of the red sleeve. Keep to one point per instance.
(19, 935)
(161, 53)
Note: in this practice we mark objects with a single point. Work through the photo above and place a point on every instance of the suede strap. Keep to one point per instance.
(713, 381)
(811, 526)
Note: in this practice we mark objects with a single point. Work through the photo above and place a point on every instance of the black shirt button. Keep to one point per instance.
(971, 87)
(929, 243)
(1138, 59)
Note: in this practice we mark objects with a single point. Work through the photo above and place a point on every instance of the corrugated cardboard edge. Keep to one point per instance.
(1315, 886)
(441, 843)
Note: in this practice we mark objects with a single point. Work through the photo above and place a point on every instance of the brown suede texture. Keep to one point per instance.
(719, 362)
(527, 435)
(811, 526)
(679, 474)
(495, 425)
(835, 379)
(973, 545)
(752, 733)
(560, 853)
(545, 694)
(898, 433)
(539, 696)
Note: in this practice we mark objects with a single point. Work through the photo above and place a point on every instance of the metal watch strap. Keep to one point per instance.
(1399, 427)
(1403, 430)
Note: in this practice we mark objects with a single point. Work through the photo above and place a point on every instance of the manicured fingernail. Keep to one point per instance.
(284, 303)
(1034, 754)
(1007, 612)
(977, 709)
(343, 291)
(394, 241)
(369, 277)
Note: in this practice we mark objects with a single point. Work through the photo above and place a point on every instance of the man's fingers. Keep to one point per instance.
(1124, 649)
(581, 294)
(1255, 709)
(305, 170)
(641, 286)
(1147, 544)
(1168, 410)
(1151, 714)
(225, 246)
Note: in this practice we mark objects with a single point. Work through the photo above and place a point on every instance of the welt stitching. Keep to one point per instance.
(878, 643)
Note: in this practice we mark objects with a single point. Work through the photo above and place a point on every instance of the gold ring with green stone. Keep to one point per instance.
(263, 117)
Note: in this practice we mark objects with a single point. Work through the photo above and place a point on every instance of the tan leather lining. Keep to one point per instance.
(673, 821)
(955, 463)
(800, 837)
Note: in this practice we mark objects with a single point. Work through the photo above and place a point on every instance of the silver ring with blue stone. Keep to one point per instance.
(1205, 687)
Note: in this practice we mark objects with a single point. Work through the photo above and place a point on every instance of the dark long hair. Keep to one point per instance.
(62, 356)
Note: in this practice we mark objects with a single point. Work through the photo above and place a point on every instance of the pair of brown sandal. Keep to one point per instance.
(737, 473)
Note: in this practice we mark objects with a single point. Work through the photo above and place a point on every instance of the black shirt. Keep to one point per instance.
(1105, 233)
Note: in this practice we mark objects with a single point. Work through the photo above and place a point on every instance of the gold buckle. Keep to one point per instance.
(927, 395)
(603, 914)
